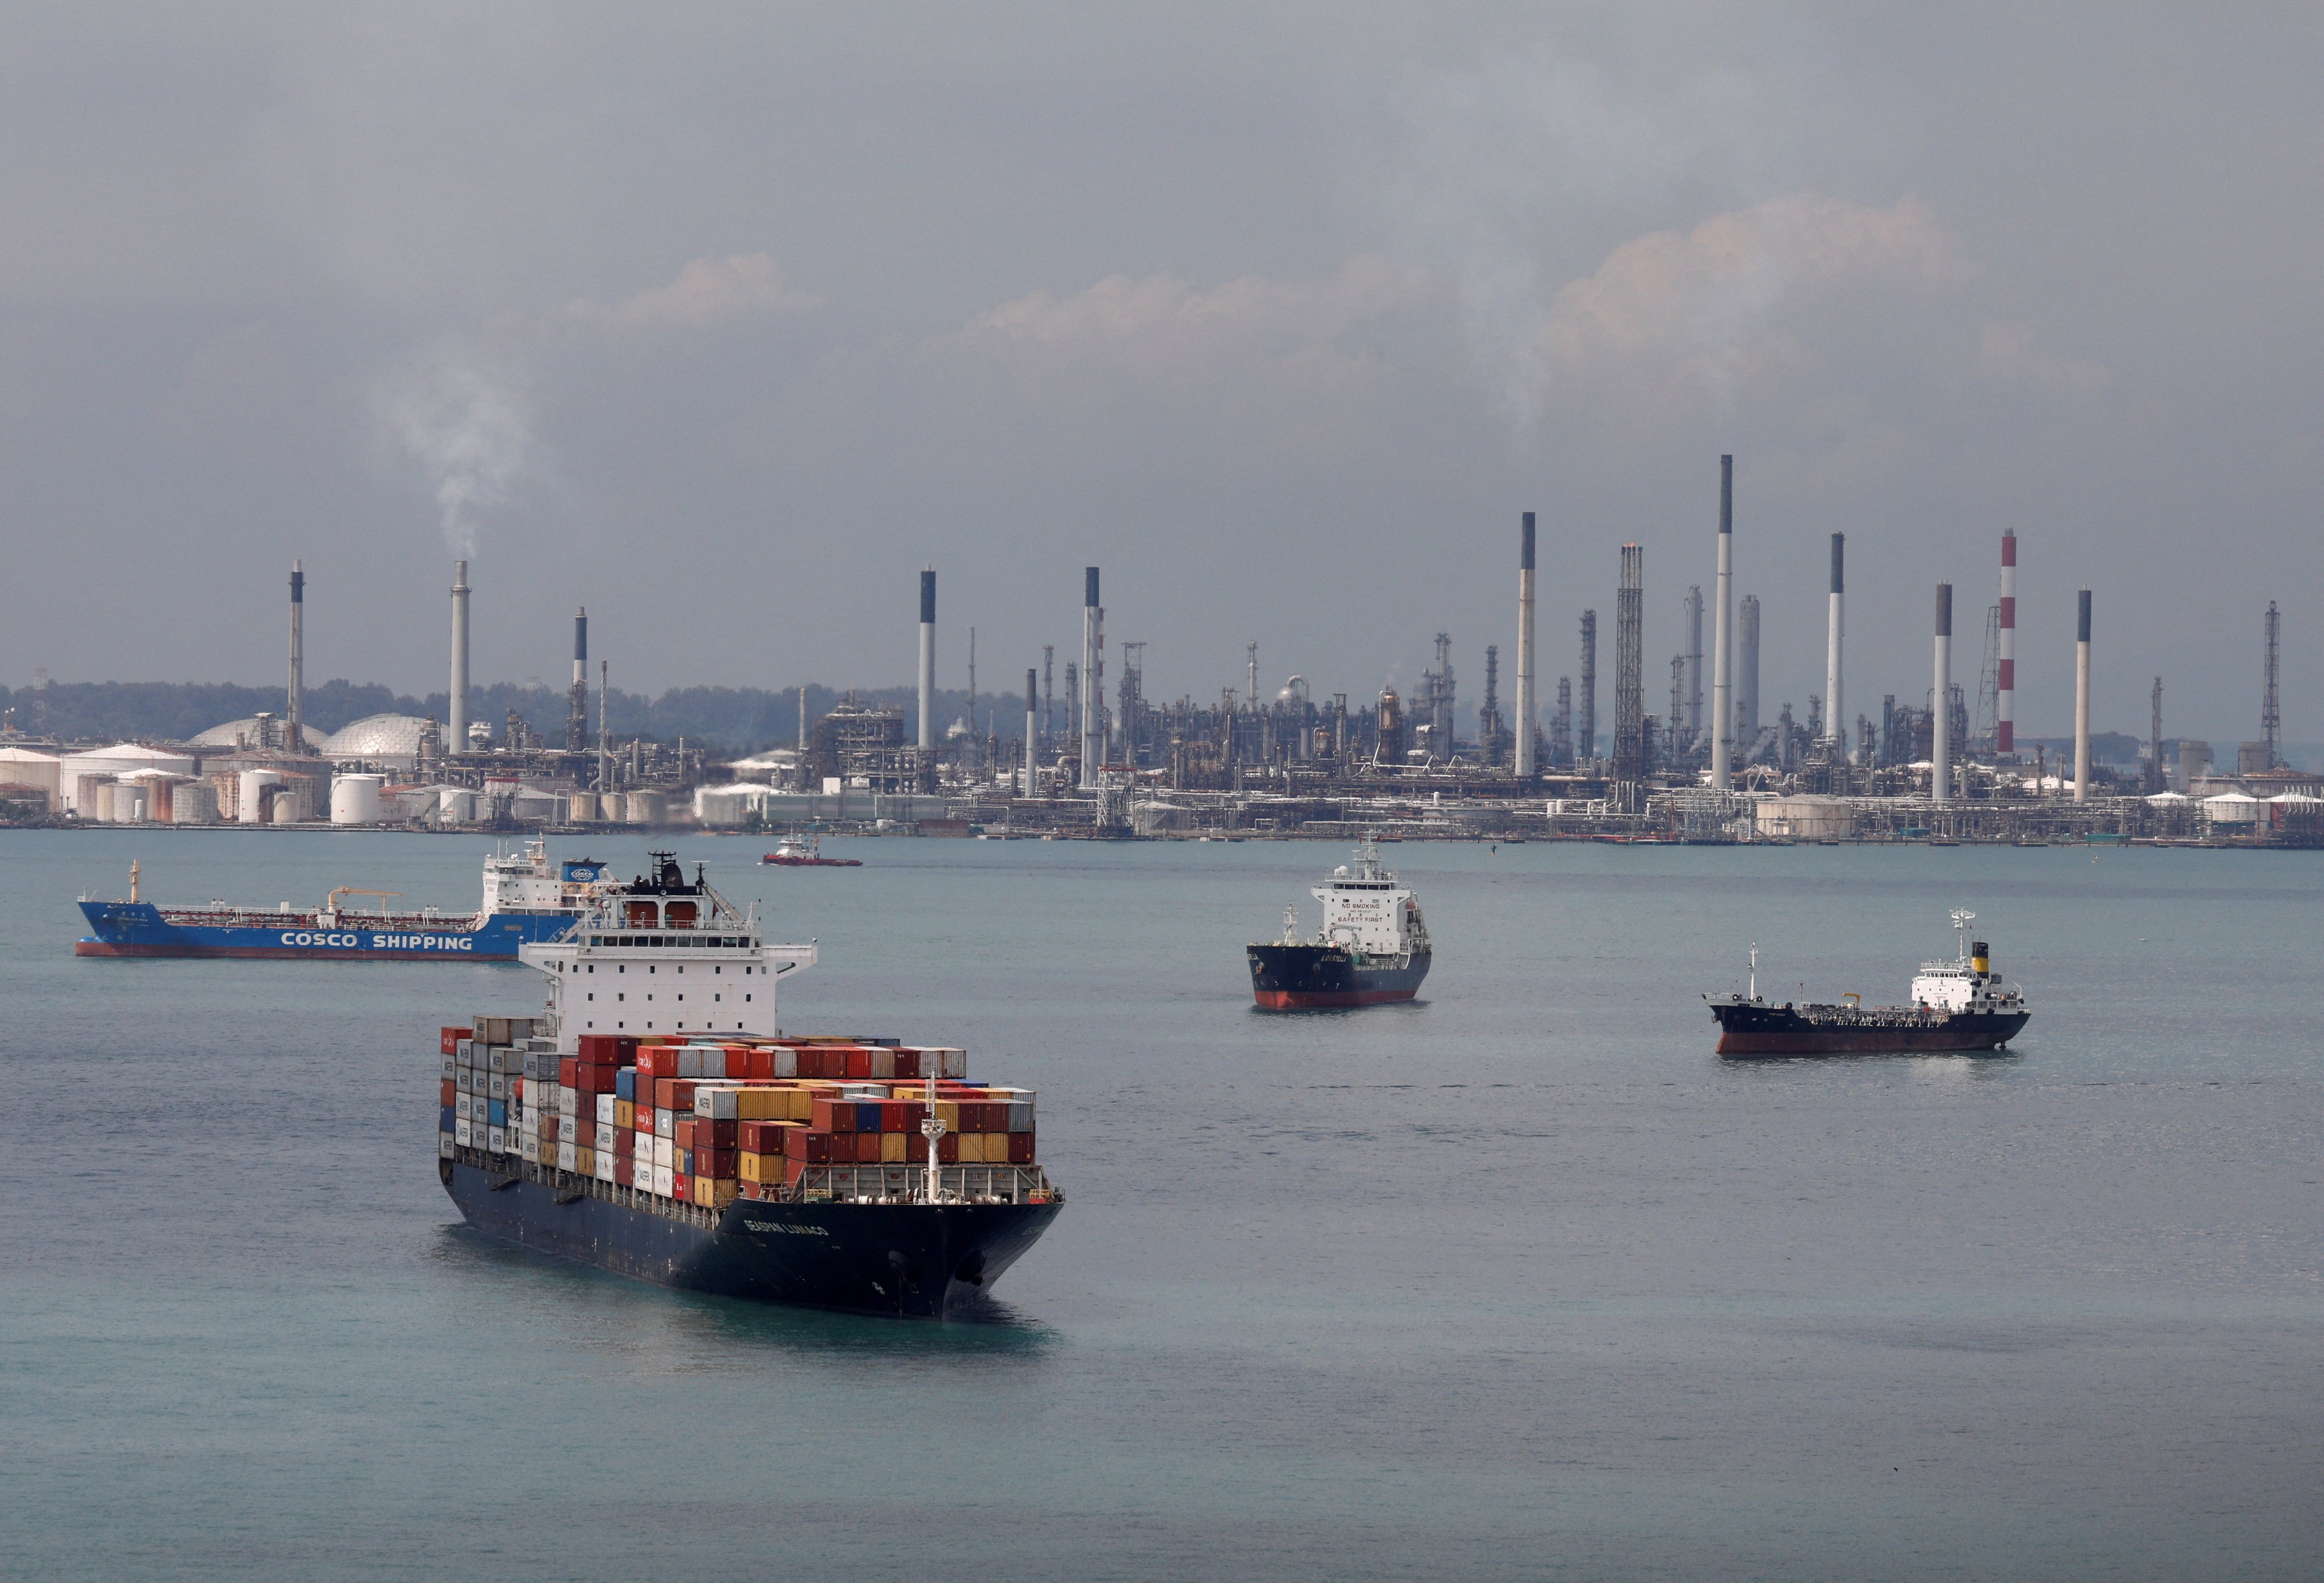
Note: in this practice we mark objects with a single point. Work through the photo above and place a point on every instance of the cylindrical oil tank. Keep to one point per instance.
(644, 807)
(355, 798)
(193, 802)
(581, 807)
(250, 794)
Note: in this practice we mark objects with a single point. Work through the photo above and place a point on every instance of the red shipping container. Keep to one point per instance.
(682, 1093)
(811, 1146)
(594, 1078)
(715, 1134)
(682, 1187)
(714, 1162)
(907, 1064)
(682, 1132)
(624, 1171)
(449, 1092)
(947, 1149)
(451, 1039)
(652, 1063)
(793, 1169)
(750, 1190)
(1020, 1148)
(867, 1148)
(610, 1049)
(549, 1127)
(858, 1068)
(569, 1070)
(834, 1115)
(625, 1143)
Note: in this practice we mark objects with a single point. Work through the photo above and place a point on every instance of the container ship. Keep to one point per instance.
(526, 900)
(655, 1123)
(1957, 1006)
(1373, 947)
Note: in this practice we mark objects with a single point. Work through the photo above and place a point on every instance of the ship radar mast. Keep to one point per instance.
(1962, 919)
(1754, 969)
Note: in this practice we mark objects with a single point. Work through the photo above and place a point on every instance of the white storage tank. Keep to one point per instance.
(291, 803)
(250, 794)
(581, 807)
(355, 798)
(645, 807)
(193, 802)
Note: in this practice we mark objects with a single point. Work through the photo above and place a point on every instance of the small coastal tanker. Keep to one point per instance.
(656, 1123)
(1373, 948)
(1957, 1006)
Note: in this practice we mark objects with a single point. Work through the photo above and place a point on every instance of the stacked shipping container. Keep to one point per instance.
(707, 1121)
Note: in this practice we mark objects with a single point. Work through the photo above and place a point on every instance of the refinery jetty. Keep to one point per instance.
(1939, 759)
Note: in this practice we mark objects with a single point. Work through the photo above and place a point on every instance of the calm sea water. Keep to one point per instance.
(1516, 1282)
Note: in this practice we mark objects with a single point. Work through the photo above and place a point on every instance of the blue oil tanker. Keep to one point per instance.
(526, 899)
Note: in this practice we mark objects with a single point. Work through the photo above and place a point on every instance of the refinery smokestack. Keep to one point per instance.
(1032, 735)
(1834, 731)
(456, 722)
(1940, 717)
(1586, 728)
(1092, 713)
(2004, 732)
(577, 707)
(1722, 638)
(1525, 650)
(297, 742)
(1746, 673)
(2082, 697)
(928, 659)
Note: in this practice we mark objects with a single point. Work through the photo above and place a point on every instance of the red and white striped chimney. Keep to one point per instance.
(2006, 725)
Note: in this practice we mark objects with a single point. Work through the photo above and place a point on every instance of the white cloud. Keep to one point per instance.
(707, 292)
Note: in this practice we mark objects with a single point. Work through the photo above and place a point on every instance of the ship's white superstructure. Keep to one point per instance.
(663, 955)
(1367, 912)
(1967, 983)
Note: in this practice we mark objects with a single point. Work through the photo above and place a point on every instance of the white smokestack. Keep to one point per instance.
(2083, 698)
(1941, 723)
(1032, 737)
(928, 659)
(456, 725)
(1525, 650)
(1833, 731)
(1092, 713)
(1722, 638)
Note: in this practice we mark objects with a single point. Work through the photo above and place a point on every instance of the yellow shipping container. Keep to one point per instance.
(625, 1116)
(972, 1148)
(754, 1167)
(723, 1191)
(948, 1112)
(585, 1162)
(895, 1148)
(753, 1104)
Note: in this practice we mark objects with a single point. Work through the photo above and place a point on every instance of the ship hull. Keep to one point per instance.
(1322, 977)
(1748, 1030)
(140, 929)
(911, 1261)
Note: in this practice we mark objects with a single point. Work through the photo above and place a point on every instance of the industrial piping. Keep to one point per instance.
(1722, 638)
(2004, 735)
(1941, 716)
(928, 659)
(1525, 650)
(457, 721)
(292, 738)
(2082, 697)
(1833, 731)
(1092, 726)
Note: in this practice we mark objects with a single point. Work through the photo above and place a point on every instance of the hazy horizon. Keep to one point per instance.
(723, 321)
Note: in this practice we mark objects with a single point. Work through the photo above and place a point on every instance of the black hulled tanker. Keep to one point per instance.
(1958, 1006)
(657, 1125)
(1373, 947)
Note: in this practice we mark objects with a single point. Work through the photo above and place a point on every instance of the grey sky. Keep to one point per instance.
(723, 321)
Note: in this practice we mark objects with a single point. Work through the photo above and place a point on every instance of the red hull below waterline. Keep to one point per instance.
(1327, 999)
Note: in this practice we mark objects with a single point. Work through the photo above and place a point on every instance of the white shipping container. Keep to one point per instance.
(664, 1181)
(496, 1086)
(950, 1063)
(451, 1067)
(786, 1062)
(464, 1133)
(567, 1155)
(444, 1142)
(496, 1140)
(665, 1123)
(665, 1154)
(464, 1108)
(713, 1062)
(532, 1150)
(714, 1104)
(605, 1165)
(689, 1061)
(604, 1138)
(605, 1109)
(568, 1101)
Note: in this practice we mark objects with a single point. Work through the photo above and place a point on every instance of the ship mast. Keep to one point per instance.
(1961, 921)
